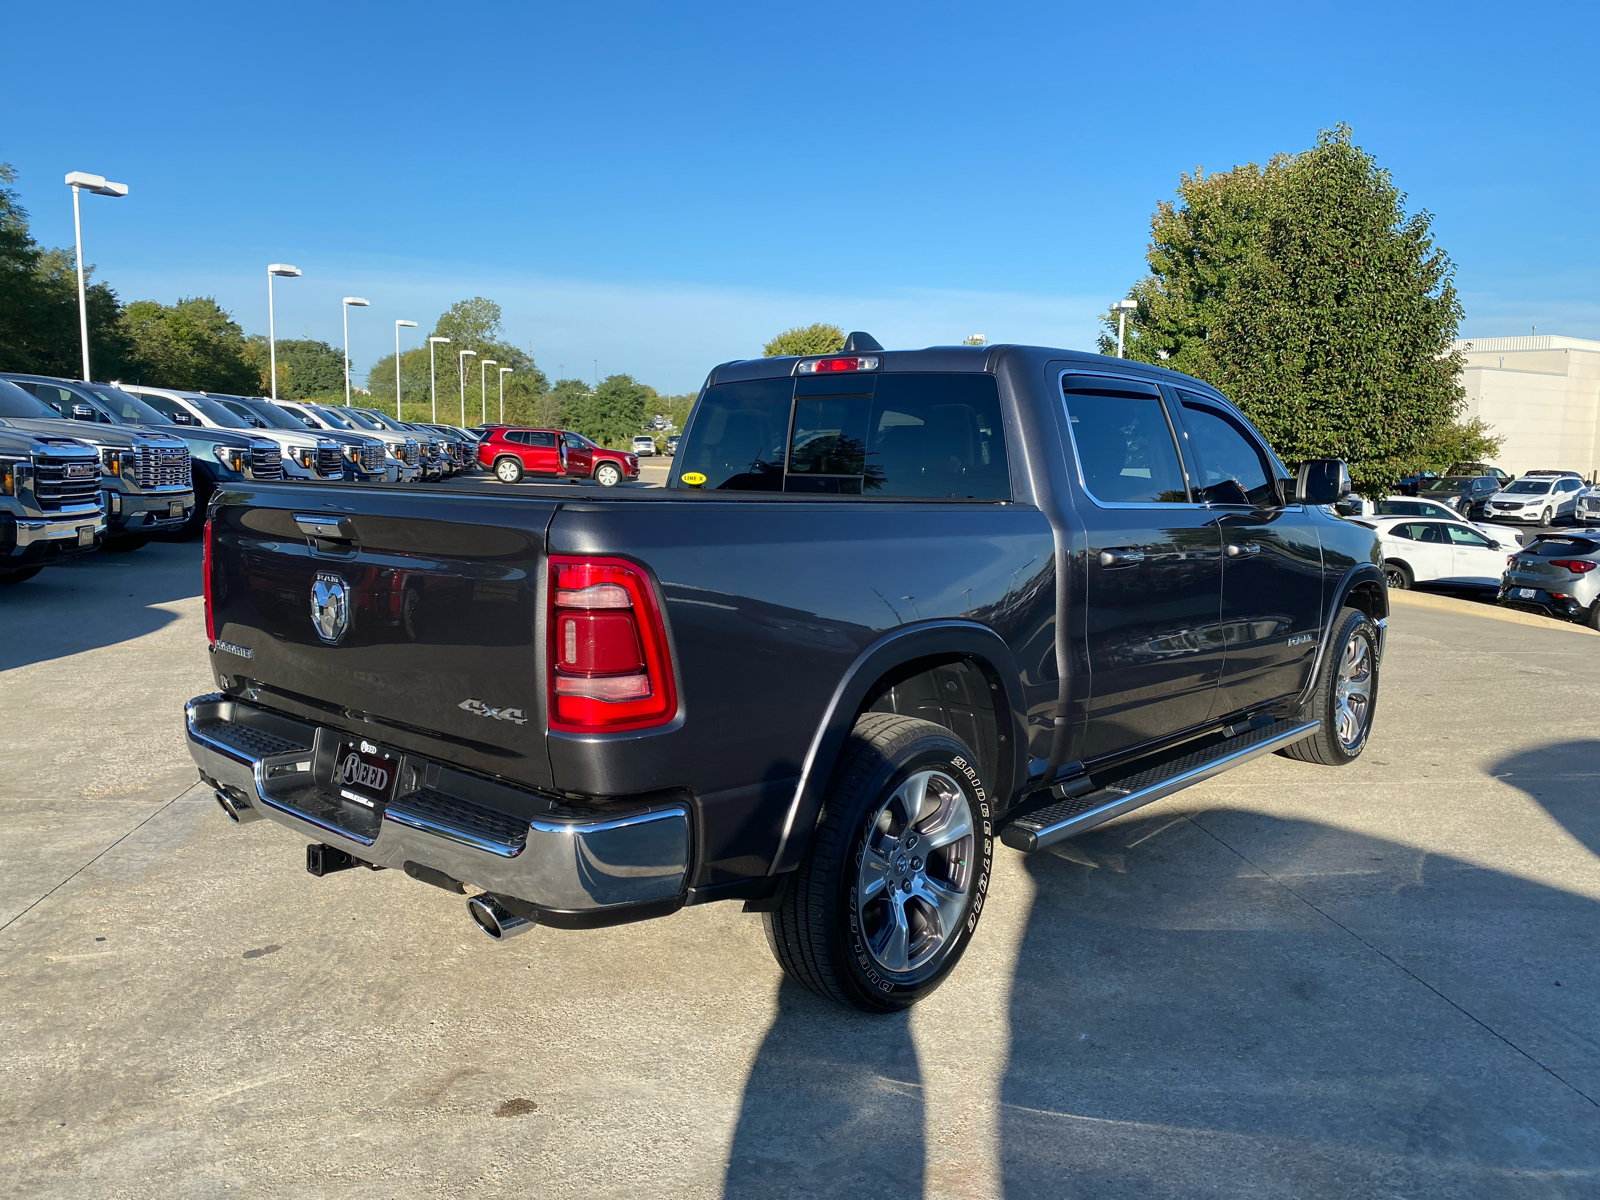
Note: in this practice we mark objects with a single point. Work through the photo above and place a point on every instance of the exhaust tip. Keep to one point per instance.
(238, 810)
(495, 919)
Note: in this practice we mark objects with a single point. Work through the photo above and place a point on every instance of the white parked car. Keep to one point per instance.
(1445, 552)
(1537, 497)
(1589, 506)
(1420, 506)
(644, 446)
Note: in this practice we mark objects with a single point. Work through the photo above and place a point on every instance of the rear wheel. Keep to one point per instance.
(607, 474)
(1399, 576)
(508, 470)
(1345, 695)
(1594, 615)
(21, 575)
(892, 885)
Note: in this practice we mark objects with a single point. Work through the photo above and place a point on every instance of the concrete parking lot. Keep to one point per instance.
(1293, 981)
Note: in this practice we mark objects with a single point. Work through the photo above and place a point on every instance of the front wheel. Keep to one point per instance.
(1398, 576)
(508, 470)
(1544, 517)
(1345, 695)
(892, 885)
(607, 474)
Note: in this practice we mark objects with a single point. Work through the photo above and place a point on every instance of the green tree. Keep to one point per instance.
(614, 412)
(1307, 294)
(307, 369)
(191, 344)
(805, 339)
(39, 303)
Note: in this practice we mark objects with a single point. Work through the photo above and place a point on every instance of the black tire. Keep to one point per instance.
(20, 575)
(1594, 615)
(1399, 576)
(823, 934)
(608, 474)
(508, 469)
(1334, 744)
(123, 543)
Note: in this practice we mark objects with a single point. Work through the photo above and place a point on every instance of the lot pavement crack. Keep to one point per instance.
(107, 850)
(1390, 959)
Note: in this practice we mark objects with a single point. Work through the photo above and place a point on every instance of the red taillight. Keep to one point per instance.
(1577, 566)
(827, 366)
(205, 585)
(609, 667)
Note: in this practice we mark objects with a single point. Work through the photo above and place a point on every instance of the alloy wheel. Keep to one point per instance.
(915, 873)
(607, 475)
(1352, 694)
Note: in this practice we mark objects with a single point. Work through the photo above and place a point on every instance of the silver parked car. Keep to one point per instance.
(1557, 574)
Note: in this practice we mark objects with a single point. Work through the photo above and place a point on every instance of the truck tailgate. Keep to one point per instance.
(349, 609)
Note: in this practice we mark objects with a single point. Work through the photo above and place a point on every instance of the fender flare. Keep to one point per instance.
(949, 638)
(1359, 574)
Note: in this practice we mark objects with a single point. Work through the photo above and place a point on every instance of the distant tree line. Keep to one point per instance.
(196, 345)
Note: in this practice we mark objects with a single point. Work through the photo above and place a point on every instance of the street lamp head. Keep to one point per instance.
(438, 339)
(407, 324)
(96, 184)
(489, 362)
(473, 353)
(357, 302)
(507, 370)
(283, 269)
(1125, 306)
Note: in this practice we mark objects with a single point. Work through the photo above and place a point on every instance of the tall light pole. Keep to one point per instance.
(1122, 308)
(433, 378)
(504, 371)
(397, 324)
(349, 303)
(483, 387)
(288, 272)
(78, 181)
(461, 370)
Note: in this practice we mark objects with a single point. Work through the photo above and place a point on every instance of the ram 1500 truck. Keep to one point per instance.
(49, 501)
(889, 608)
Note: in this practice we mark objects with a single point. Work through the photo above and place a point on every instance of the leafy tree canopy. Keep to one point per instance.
(307, 369)
(614, 412)
(805, 339)
(1305, 292)
(191, 344)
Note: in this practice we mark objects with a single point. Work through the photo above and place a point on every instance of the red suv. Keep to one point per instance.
(512, 453)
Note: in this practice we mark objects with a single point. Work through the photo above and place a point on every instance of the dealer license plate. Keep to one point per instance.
(175, 509)
(1524, 593)
(85, 535)
(364, 773)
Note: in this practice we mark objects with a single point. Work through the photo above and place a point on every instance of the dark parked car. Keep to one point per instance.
(1467, 494)
(890, 607)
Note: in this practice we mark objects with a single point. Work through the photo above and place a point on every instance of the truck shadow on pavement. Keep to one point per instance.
(1237, 1004)
(97, 600)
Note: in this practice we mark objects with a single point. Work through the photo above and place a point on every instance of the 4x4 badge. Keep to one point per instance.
(330, 607)
(481, 709)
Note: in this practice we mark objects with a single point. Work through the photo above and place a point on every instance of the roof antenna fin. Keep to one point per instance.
(860, 343)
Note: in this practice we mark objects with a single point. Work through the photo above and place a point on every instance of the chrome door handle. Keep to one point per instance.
(1242, 549)
(1122, 557)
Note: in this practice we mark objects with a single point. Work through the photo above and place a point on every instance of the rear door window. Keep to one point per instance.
(1125, 447)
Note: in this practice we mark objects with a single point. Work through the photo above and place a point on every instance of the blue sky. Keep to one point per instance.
(654, 189)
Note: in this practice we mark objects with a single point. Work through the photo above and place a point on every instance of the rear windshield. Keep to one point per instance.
(1529, 487)
(885, 436)
(1562, 547)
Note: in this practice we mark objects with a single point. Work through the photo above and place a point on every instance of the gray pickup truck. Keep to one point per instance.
(891, 608)
(49, 502)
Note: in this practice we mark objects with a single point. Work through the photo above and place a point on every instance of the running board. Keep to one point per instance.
(1072, 816)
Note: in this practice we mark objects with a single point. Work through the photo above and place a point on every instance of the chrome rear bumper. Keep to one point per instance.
(501, 839)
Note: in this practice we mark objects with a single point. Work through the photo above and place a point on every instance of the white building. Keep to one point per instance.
(1542, 395)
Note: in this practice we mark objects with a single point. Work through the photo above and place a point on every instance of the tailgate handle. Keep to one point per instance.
(326, 527)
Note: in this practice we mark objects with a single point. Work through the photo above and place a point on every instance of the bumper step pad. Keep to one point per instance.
(1067, 818)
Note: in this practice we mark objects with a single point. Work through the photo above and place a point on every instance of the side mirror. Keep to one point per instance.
(183, 418)
(1322, 481)
(82, 412)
